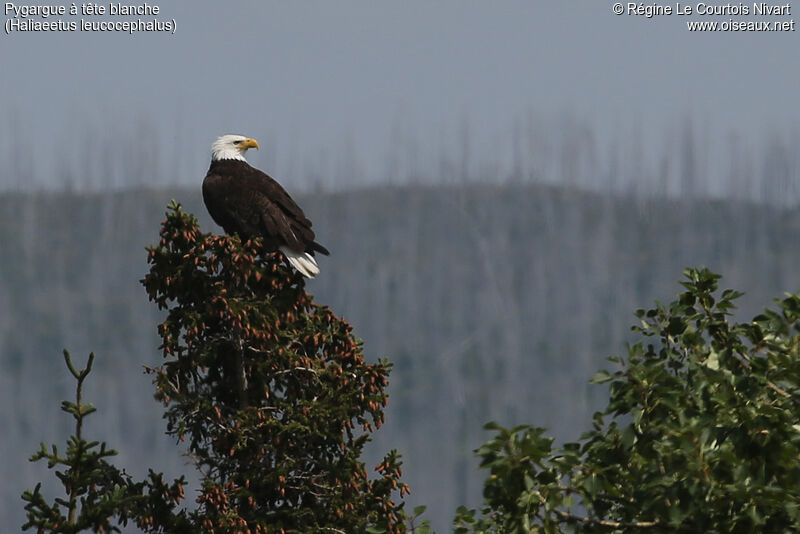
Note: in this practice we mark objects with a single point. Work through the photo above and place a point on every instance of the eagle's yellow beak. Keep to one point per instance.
(249, 143)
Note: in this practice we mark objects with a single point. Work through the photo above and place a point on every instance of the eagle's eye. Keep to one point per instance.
(237, 142)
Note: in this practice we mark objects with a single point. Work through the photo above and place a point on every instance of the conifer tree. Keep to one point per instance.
(269, 390)
(99, 497)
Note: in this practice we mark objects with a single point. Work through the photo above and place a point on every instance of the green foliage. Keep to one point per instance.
(98, 495)
(702, 436)
(269, 390)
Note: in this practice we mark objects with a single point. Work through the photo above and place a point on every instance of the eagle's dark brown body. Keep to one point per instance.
(247, 202)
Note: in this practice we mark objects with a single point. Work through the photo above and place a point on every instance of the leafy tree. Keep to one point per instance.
(269, 390)
(702, 433)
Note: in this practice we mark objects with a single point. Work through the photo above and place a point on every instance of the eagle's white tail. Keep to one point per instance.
(303, 262)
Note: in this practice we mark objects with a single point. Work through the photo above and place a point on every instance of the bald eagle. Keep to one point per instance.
(247, 202)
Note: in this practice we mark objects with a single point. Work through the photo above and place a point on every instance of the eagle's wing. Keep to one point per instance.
(280, 215)
(245, 201)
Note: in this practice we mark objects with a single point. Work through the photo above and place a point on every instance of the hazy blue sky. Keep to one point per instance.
(323, 84)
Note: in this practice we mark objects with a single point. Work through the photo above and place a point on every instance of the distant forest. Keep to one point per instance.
(690, 158)
(496, 297)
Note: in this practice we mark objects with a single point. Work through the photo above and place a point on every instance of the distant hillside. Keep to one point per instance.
(493, 302)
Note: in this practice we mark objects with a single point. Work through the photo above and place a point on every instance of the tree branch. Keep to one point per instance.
(606, 522)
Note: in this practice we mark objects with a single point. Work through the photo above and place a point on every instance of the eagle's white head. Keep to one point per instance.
(231, 147)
